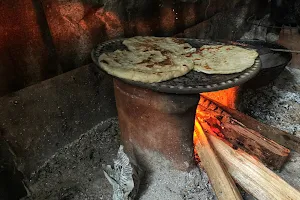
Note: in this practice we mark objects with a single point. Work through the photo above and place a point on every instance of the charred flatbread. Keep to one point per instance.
(222, 59)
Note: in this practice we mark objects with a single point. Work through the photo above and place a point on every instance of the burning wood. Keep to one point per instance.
(232, 141)
(219, 122)
(279, 136)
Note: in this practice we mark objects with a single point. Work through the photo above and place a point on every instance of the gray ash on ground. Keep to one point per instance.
(177, 185)
(277, 104)
(75, 171)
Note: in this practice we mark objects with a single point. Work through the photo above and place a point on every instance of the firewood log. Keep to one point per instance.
(252, 175)
(219, 177)
(223, 124)
(281, 137)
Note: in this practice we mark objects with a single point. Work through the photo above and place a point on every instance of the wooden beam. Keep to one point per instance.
(281, 137)
(219, 177)
(269, 152)
(252, 175)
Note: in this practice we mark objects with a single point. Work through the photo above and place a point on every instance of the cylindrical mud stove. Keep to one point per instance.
(157, 120)
(157, 127)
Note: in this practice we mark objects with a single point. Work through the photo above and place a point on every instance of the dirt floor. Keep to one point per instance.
(75, 173)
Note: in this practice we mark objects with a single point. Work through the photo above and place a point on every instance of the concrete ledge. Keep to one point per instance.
(42, 118)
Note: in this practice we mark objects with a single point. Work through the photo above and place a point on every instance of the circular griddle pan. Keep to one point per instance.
(191, 83)
(272, 63)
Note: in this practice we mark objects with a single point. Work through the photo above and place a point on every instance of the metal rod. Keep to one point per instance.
(286, 50)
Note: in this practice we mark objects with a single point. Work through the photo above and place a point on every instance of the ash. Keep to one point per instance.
(277, 104)
(75, 173)
(177, 185)
(163, 182)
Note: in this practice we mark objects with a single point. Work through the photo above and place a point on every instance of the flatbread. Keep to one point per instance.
(149, 66)
(166, 45)
(222, 59)
(154, 59)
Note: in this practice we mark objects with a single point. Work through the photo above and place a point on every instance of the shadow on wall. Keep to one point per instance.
(41, 39)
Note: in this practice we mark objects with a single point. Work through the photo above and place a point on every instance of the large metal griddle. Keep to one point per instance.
(191, 83)
(273, 62)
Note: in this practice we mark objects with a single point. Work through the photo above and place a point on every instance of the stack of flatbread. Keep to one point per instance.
(153, 59)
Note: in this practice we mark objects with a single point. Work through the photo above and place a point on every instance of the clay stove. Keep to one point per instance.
(158, 127)
(156, 124)
(157, 119)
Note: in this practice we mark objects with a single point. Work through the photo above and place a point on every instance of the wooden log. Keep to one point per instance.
(219, 177)
(269, 152)
(252, 175)
(281, 137)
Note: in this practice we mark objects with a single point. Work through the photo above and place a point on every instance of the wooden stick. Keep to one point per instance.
(252, 175)
(281, 137)
(219, 177)
(221, 123)
(266, 150)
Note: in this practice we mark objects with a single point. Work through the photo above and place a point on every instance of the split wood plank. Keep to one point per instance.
(252, 175)
(269, 152)
(281, 137)
(219, 177)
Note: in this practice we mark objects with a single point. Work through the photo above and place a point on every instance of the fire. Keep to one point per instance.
(227, 98)
(198, 132)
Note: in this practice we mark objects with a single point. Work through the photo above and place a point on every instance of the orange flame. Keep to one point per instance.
(227, 98)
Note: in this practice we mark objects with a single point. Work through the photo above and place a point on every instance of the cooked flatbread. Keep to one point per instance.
(165, 45)
(222, 59)
(149, 66)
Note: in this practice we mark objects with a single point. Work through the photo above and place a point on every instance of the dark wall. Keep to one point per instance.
(25, 57)
(41, 39)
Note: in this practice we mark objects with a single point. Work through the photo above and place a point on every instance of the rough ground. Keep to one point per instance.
(74, 173)
(277, 104)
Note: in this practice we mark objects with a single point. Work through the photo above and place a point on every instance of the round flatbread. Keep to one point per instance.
(149, 66)
(166, 45)
(222, 59)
